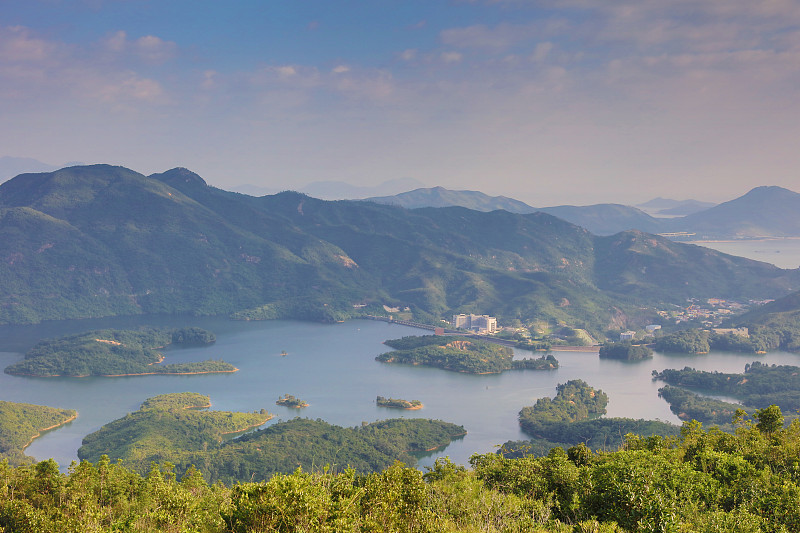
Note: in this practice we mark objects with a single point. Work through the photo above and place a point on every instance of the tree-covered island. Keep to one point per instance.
(759, 386)
(460, 354)
(397, 403)
(625, 351)
(113, 352)
(176, 428)
(287, 400)
(20, 423)
(572, 417)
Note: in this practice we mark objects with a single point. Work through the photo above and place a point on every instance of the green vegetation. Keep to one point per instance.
(690, 406)
(545, 362)
(170, 428)
(91, 241)
(572, 417)
(397, 403)
(574, 401)
(625, 351)
(746, 481)
(112, 352)
(20, 423)
(460, 354)
(287, 400)
(686, 341)
(164, 427)
(761, 339)
(759, 386)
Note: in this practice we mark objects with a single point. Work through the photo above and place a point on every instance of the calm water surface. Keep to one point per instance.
(333, 368)
(783, 253)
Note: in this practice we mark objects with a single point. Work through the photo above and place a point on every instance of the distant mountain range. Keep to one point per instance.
(764, 211)
(666, 207)
(99, 240)
(338, 190)
(13, 166)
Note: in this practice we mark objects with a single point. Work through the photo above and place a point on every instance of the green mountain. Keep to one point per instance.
(102, 240)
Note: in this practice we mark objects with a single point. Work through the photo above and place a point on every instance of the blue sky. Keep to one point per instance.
(548, 101)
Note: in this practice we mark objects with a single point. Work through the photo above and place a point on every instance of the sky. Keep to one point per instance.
(547, 101)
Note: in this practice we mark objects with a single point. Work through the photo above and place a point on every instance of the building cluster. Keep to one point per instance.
(709, 313)
(478, 323)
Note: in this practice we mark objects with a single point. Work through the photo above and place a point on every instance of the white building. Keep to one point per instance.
(476, 323)
(627, 335)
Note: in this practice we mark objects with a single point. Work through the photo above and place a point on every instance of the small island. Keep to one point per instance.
(113, 353)
(287, 400)
(460, 354)
(396, 403)
(625, 351)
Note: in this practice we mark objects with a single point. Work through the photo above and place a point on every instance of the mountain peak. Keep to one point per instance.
(179, 178)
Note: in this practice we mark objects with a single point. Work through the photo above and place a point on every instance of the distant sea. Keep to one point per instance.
(783, 253)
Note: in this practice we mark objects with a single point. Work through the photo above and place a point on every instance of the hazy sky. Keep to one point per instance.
(548, 101)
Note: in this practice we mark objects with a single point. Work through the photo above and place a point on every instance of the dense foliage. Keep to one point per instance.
(761, 339)
(398, 403)
(545, 362)
(287, 400)
(704, 481)
(90, 241)
(625, 351)
(759, 386)
(164, 427)
(20, 423)
(454, 353)
(574, 401)
(170, 428)
(113, 352)
(460, 354)
(685, 341)
(690, 406)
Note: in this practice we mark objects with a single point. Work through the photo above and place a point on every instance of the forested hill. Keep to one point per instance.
(102, 240)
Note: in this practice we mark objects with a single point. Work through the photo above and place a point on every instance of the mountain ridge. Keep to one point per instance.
(103, 240)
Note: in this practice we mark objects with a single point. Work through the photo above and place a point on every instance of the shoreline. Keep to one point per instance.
(125, 375)
(43, 430)
(271, 416)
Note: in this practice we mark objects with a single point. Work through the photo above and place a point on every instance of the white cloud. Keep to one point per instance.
(17, 45)
(451, 57)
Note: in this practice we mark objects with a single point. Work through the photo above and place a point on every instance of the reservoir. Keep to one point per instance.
(783, 253)
(333, 368)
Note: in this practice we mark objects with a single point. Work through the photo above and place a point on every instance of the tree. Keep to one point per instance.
(770, 419)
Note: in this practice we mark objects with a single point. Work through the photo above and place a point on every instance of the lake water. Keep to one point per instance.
(783, 253)
(333, 368)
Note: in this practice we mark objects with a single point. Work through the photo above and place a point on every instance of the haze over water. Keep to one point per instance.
(332, 367)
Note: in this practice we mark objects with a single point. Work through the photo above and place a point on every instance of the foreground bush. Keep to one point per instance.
(706, 481)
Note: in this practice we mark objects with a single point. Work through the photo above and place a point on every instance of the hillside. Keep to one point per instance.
(20, 423)
(101, 241)
(171, 428)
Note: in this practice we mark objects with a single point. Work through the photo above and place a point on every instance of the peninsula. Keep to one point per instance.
(21, 423)
(113, 353)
